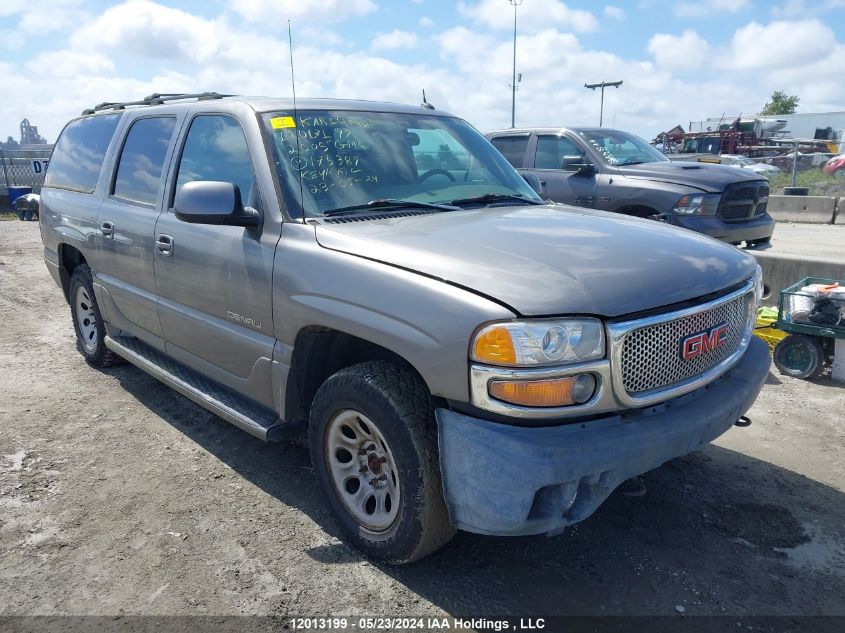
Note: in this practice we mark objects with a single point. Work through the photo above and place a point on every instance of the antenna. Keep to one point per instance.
(295, 117)
(426, 104)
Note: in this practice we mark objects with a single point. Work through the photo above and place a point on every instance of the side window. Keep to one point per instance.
(142, 160)
(216, 149)
(552, 149)
(78, 155)
(512, 147)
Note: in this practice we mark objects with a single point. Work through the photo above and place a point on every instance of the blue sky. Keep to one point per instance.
(680, 61)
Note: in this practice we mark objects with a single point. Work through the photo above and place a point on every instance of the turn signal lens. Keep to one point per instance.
(494, 345)
(534, 393)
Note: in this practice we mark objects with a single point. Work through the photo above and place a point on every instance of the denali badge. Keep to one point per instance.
(249, 321)
(695, 345)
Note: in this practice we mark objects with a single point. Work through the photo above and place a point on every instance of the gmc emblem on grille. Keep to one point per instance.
(695, 345)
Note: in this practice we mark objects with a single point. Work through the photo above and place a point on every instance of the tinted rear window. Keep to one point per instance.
(142, 160)
(78, 156)
(512, 147)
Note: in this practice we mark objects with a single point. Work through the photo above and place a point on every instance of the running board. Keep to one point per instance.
(243, 413)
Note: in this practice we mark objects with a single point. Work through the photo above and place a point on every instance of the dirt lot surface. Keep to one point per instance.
(118, 496)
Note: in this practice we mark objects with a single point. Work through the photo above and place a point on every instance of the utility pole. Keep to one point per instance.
(602, 85)
(515, 4)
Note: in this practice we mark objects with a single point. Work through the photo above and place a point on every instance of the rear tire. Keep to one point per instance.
(373, 446)
(799, 356)
(87, 321)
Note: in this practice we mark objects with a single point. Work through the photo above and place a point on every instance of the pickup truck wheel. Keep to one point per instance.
(374, 450)
(87, 320)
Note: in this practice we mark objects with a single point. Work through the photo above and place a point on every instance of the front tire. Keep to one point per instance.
(87, 320)
(373, 446)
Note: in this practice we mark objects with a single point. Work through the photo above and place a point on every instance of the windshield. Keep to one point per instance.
(329, 160)
(622, 148)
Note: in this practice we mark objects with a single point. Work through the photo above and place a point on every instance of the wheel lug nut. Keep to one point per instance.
(363, 469)
(371, 447)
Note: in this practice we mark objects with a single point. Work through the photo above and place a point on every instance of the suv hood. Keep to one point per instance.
(549, 260)
(708, 177)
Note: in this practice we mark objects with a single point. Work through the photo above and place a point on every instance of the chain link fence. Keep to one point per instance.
(24, 167)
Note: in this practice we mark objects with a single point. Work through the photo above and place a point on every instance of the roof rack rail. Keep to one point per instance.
(157, 98)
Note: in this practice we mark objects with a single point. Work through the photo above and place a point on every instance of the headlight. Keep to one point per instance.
(536, 343)
(759, 288)
(697, 204)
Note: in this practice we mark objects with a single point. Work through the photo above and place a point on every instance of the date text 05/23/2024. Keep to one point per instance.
(415, 624)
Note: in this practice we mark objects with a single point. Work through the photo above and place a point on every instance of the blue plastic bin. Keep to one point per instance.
(17, 192)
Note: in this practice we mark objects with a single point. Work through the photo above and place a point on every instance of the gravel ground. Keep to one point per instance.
(118, 496)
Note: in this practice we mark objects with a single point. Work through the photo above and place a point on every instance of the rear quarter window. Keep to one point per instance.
(77, 158)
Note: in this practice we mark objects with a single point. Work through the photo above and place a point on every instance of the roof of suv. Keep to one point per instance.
(265, 104)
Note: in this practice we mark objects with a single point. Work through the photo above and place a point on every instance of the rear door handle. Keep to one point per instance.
(107, 230)
(164, 244)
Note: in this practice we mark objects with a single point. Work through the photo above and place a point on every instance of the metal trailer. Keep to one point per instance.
(814, 321)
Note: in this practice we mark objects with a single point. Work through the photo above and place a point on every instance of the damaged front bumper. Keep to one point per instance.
(511, 480)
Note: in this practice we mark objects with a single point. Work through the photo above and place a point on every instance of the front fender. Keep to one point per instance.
(427, 322)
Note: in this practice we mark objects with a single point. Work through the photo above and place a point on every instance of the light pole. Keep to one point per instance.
(602, 85)
(515, 4)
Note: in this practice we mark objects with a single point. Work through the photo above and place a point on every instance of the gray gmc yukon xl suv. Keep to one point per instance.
(461, 354)
(617, 171)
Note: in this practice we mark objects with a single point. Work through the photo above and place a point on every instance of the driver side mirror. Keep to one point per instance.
(577, 163)
(213, 202)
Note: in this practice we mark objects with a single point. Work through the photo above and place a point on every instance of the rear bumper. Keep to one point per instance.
(758, 228)
(509, 480)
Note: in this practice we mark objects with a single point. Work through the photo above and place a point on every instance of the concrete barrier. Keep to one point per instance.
(808, 209)
(781, 271)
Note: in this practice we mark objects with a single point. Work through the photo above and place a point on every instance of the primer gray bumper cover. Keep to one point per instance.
(509, 480)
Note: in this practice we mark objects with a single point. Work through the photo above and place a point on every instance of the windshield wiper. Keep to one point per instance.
(389, 203)
(495, 197)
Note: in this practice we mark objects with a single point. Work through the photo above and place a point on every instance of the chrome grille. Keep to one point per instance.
(651, 356)
(743, 201)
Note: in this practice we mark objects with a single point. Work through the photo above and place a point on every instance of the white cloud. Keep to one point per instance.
(708, 8)
(805, 9)
(70, 64)
(393, 40)
(615, 13)
(141, 46)
(263, 11)
(149, 29)
(426, 22)
(534, 15)
(42, 16)
(683, 52)
(780, 45)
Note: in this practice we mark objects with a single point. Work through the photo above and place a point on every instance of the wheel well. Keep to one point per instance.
(320, 352)
(69, 259)
(638, 211)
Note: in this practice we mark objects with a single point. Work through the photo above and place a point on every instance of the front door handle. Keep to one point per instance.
(164, 244)
(107, 230)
